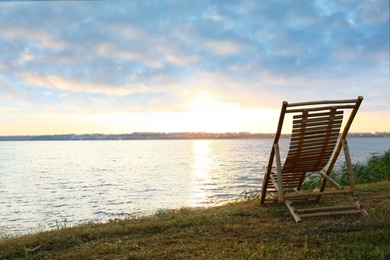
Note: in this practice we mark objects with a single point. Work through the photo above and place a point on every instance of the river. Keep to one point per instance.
(47, 184)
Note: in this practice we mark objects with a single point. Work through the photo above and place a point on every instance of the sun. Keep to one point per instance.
(206, 113)
(203, 103)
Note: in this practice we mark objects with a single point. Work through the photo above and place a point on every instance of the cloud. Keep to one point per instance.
(224, 48)
(156, 55)
(67, 84)
(42, 37)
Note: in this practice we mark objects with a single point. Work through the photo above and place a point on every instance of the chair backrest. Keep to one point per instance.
(315, 143)
(313, 139)
(315, 133)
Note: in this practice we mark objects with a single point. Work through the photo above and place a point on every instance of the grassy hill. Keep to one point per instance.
(241, 230)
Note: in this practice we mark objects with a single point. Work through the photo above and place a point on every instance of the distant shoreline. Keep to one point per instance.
(167, 136)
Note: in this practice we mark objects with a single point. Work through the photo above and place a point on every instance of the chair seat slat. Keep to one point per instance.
(325, 135)
(312, 144)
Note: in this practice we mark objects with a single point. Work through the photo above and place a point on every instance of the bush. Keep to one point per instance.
(376, 169)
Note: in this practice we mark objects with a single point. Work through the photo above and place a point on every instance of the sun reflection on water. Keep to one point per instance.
(201, 169)
(202, 160)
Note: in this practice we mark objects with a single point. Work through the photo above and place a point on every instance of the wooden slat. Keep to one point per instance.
(311, 103)
(311, 152)
(303, 132)
(289, 177)
(302, 168)
(274, 182)
(292, 211)
(333, 182)
(336, 119)
(302, 137)
(319, 108)
(349, 166)
(292, 174)
(304, 163)
(312, 144)
(291, 184)
(305, 158)
(315, 194)
(316, 136)
(327, 113)
(327, 208)
(307, 168)
(309, 148)
(288, 180)
(311, 119)
(279, 172)
(311, 127)
(314, 129)
(310, 167)
(333, 213)
(313, 124)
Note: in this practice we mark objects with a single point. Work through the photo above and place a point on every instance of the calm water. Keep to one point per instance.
(50, 183)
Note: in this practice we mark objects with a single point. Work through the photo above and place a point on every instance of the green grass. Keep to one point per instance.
(241, 230)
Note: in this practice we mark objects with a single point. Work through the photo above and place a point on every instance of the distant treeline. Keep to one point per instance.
(167, 136)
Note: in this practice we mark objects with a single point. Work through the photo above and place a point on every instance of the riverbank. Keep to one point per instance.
(241, 230)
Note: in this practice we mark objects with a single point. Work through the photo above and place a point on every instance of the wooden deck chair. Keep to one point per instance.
(315, 144)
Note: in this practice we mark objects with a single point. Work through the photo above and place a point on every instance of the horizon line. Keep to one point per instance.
(182, 132)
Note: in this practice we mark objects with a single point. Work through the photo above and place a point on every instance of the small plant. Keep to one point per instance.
(312, 181)
(251, 195)
(29, 252)
(60, 225)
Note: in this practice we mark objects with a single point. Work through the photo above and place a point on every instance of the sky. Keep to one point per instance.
(114, 67)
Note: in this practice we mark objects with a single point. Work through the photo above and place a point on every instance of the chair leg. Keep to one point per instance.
(293, 211)
(349, 166)
(279, 173)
